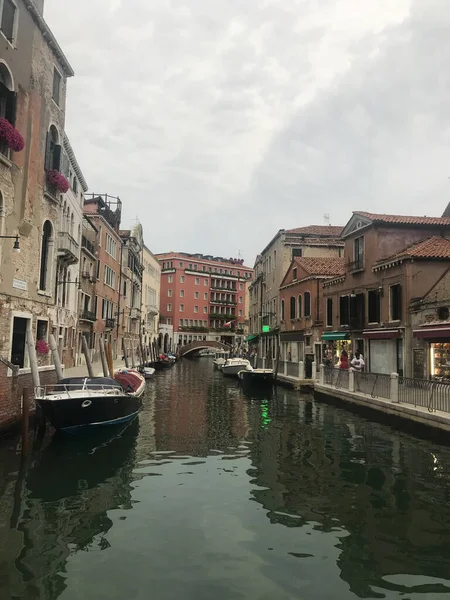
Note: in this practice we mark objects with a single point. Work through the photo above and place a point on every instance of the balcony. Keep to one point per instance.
(88, 246)
(223, 289)
(110, 323)
(152, 310)
(356, 266)
(68, 248)
(88, 315)
(225, 302)
(135, 313)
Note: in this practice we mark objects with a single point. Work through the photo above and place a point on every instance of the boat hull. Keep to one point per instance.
(252, 379)
(72, 414)
(232, 370)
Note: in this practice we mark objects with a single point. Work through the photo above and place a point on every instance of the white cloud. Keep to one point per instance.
(224, 121)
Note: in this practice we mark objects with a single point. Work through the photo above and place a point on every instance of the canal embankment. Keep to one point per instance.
(420, 401)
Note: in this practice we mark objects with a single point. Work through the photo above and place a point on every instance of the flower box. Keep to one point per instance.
(57, 181)
(10, 136)
(42, 347)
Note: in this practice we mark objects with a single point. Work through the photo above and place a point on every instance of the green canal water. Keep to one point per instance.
(214, 494)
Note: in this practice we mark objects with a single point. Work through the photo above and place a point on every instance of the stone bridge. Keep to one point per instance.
(202, 345)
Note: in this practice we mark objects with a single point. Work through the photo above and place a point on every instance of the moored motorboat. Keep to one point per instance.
(146, 372)
(256, 377)
(233, 365)
(77, 403)
(131, 380)
(219, 362)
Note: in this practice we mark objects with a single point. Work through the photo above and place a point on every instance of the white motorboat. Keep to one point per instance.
(234, 365)
(219, 362)
(146, 372)
(256, 377)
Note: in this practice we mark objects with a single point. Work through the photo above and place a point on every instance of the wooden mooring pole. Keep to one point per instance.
(124, 350)
(56, 358)
(25, 420)
(87, 358)
(101, 344)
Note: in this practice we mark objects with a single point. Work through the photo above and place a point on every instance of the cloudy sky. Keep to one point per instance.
(220, 122)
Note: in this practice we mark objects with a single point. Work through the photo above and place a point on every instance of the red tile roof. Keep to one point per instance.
(403, 219)
(434, 247)
(320, 230)
(332, 266)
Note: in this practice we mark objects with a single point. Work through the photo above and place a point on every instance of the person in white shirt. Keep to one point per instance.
(358, 362)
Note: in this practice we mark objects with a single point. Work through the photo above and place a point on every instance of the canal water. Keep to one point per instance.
(217, 494)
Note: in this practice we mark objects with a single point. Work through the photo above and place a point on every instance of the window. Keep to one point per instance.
(109, 277)
(205, 296)
(190, 266)
(196, 309)
(52, 150)
(180, 264)
(294, 274)
(18, 349)
(181, 278)
(374, 301)
(46, 258)
(111, 246)
(181, 293)
(292, 311)
(56, 95)
(169, 320)
(241, 286)
(98, 269)
(42, 329)
(329, 312)
(395, 302)
(8, 24)
(7, 101)
(205, 281)
(170, 279)
(240, 313)
(169, 293)
(282, 309)
(169, 308)
(240, 300)
(307, 306)
(344, 310)
(358, 252)
(181, 307)
(297, 252)
(196, 295)
(197, 281)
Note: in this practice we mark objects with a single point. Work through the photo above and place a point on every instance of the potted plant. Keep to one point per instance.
(10, 136)
(57, 181)
(42, 347)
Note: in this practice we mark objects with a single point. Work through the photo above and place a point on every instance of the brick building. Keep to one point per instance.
(203, 297)
(105, 213)
(391, 261)
(87, 315)
(130, 317)
(302, 308)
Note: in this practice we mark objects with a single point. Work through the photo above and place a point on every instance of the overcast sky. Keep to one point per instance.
(219, 122)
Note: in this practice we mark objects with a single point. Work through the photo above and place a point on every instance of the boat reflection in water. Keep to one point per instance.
(65, 504)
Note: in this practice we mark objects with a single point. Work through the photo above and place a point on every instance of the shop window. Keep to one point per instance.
(329, 312)
(307, 304)
(374, 301)
(293, 303)
(395, 302)
(344, 310)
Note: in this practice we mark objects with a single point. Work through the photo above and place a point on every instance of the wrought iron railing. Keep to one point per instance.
(337, 378)
(88, 315)
(377, 385)
(431, 394)
(355, 265)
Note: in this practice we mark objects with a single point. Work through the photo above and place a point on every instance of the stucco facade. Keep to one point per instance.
(151, 290)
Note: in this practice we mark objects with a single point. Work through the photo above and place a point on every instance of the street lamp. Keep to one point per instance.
(16, 246)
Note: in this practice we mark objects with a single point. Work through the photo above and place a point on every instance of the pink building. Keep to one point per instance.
(204, 297)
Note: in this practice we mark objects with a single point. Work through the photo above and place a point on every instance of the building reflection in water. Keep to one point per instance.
(384, 494)
(63, 506)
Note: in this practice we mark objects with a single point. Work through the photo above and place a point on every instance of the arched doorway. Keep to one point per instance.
(160, 342)
(166, 343)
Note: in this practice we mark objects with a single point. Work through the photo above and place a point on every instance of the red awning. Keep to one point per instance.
(382, 334)
(429, 333)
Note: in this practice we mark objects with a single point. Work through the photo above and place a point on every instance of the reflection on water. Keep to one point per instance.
(217, 493)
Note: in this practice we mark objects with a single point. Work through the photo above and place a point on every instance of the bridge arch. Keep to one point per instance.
(202, 345)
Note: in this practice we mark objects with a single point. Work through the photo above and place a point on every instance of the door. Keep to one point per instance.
(19, 341)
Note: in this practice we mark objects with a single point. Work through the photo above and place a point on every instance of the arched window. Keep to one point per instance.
(7, 100)
(300, 309)
(52, 150)
(307, 304)
(72, 224)
(282, 309)
(46, 248)
(293, 303)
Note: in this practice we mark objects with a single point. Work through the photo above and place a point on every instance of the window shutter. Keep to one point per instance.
(65, 168)
(11, 103)
(48, 152)
(57, 158)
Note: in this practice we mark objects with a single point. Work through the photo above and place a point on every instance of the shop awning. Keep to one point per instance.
(252, 338)
(428, 333)
(335, 335)
(382, 334)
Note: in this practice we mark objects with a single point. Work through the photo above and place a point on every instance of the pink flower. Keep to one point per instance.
(42, 347)
(10, 135)
(57, 180)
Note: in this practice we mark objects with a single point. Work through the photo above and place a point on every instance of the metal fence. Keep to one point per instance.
(376, 385)
(337, 378)
(434, 395)
(292, 369)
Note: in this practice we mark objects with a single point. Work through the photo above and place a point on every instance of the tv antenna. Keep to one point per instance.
(326, 218)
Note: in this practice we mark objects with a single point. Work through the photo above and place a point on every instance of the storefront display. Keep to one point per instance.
(440, 360)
